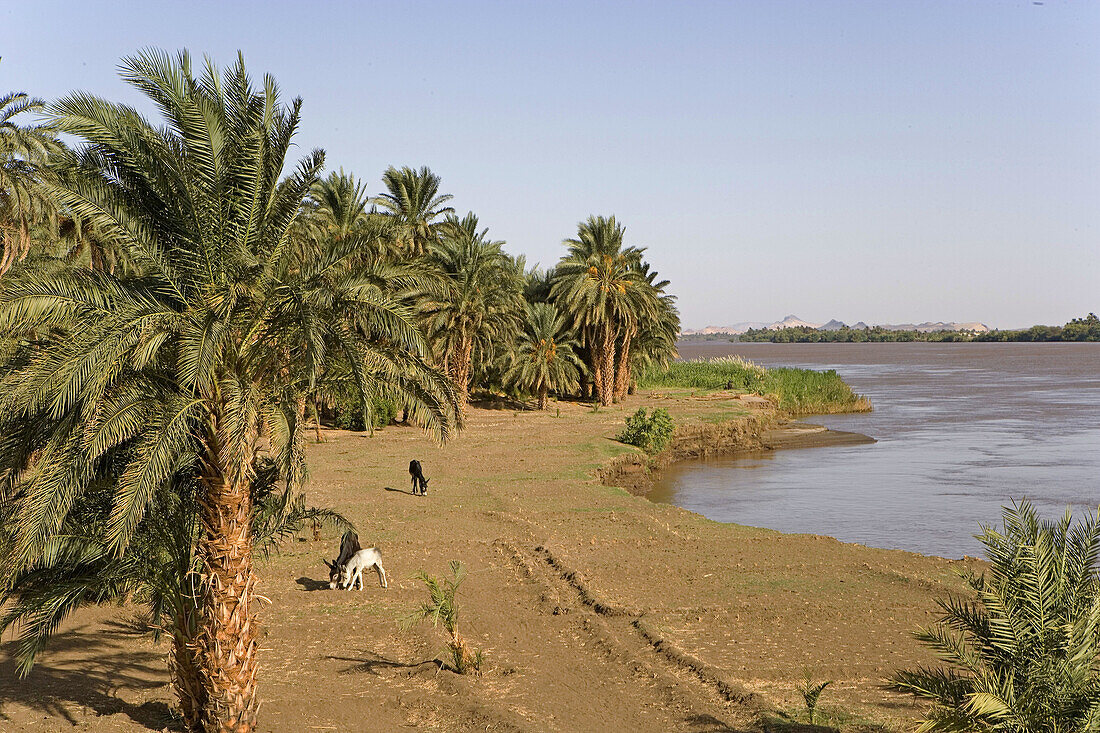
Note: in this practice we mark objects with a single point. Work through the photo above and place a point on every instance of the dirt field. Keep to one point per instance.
(596, 609)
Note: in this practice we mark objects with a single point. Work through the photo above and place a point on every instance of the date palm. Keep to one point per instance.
(483, 301)
(1023, 651)
(544, 359)
(23, 153)
(412, 200)
(599, 285)
(339, 205)
(218, 332)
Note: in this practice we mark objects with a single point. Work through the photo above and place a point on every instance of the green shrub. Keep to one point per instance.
(1022, 651)
(650, 433)
(442, 609)
(348, 412)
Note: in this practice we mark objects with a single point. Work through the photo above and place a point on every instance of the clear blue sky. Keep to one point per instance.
(884, 161)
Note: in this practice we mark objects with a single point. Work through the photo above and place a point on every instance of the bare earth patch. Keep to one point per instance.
(596, 609)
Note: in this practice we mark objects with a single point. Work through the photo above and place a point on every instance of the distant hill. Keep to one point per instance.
(793, 321)
(929, 327)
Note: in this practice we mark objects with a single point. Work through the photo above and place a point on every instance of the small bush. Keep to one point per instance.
(651, 433)
(442, 609)
(811, 691)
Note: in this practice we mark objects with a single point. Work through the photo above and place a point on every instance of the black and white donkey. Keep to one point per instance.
(347, 569)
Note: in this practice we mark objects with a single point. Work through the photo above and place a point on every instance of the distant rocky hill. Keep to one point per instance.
(926, 327)
(835, 325)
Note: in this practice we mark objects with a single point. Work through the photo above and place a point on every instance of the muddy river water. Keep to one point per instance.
(962, 429)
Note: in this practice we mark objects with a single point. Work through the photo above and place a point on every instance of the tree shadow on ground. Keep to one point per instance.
(309, 584)
(87, 667)
(375, 662)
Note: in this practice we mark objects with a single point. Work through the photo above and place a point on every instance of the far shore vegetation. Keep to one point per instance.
(1078, 329)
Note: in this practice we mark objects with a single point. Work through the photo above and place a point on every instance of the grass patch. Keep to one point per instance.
(797, 391)
(723, 415)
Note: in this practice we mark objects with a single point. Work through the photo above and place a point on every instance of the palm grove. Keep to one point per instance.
(177, 309)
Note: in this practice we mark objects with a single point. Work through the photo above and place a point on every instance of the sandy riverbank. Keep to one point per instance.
(596, 609)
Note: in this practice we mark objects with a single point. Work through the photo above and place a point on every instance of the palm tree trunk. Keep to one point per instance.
(187, 677)
(607, 367)
(462, 371)
(622, 374)
(542, 397)
(227, 639)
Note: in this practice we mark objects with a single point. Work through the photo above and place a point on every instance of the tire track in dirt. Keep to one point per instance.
(622, 635)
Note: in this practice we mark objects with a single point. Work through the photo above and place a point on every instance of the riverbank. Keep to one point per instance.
(761, 431)
(595, 609)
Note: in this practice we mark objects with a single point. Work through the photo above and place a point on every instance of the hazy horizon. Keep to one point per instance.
(885, 162)
(873, 322)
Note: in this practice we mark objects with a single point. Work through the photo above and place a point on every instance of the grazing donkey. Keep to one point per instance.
(363, 560)
(420, 484)
(349, 545)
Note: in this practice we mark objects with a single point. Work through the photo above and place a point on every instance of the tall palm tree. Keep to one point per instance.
(544, 359)
(483, 301)
(413, 201)
(599, 285)
(218, 333)
(1024, 648)
(23, 153)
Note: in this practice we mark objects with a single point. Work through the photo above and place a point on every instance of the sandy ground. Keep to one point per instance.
(596, 610)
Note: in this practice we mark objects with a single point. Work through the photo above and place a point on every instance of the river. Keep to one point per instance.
(962, 429)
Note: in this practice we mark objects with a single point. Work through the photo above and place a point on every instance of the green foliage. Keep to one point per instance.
(544, 358)
(1022, 653)
(442, 609)
(347, 411)
(479, 312)
(799, 391)
(651, 433)
(24, 151)
(413, 202)
(811, 691)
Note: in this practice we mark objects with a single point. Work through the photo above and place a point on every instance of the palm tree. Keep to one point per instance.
(655, 340)
(544, 359)
(1024, 650)
(599, 285)
(23, 153)
(217, 334)
(413, 201)
(483, 301)
(339, 205)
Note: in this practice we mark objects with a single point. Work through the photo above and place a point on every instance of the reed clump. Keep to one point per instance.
(797, 391)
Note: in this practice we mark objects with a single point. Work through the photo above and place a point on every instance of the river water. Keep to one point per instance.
(962, 429)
